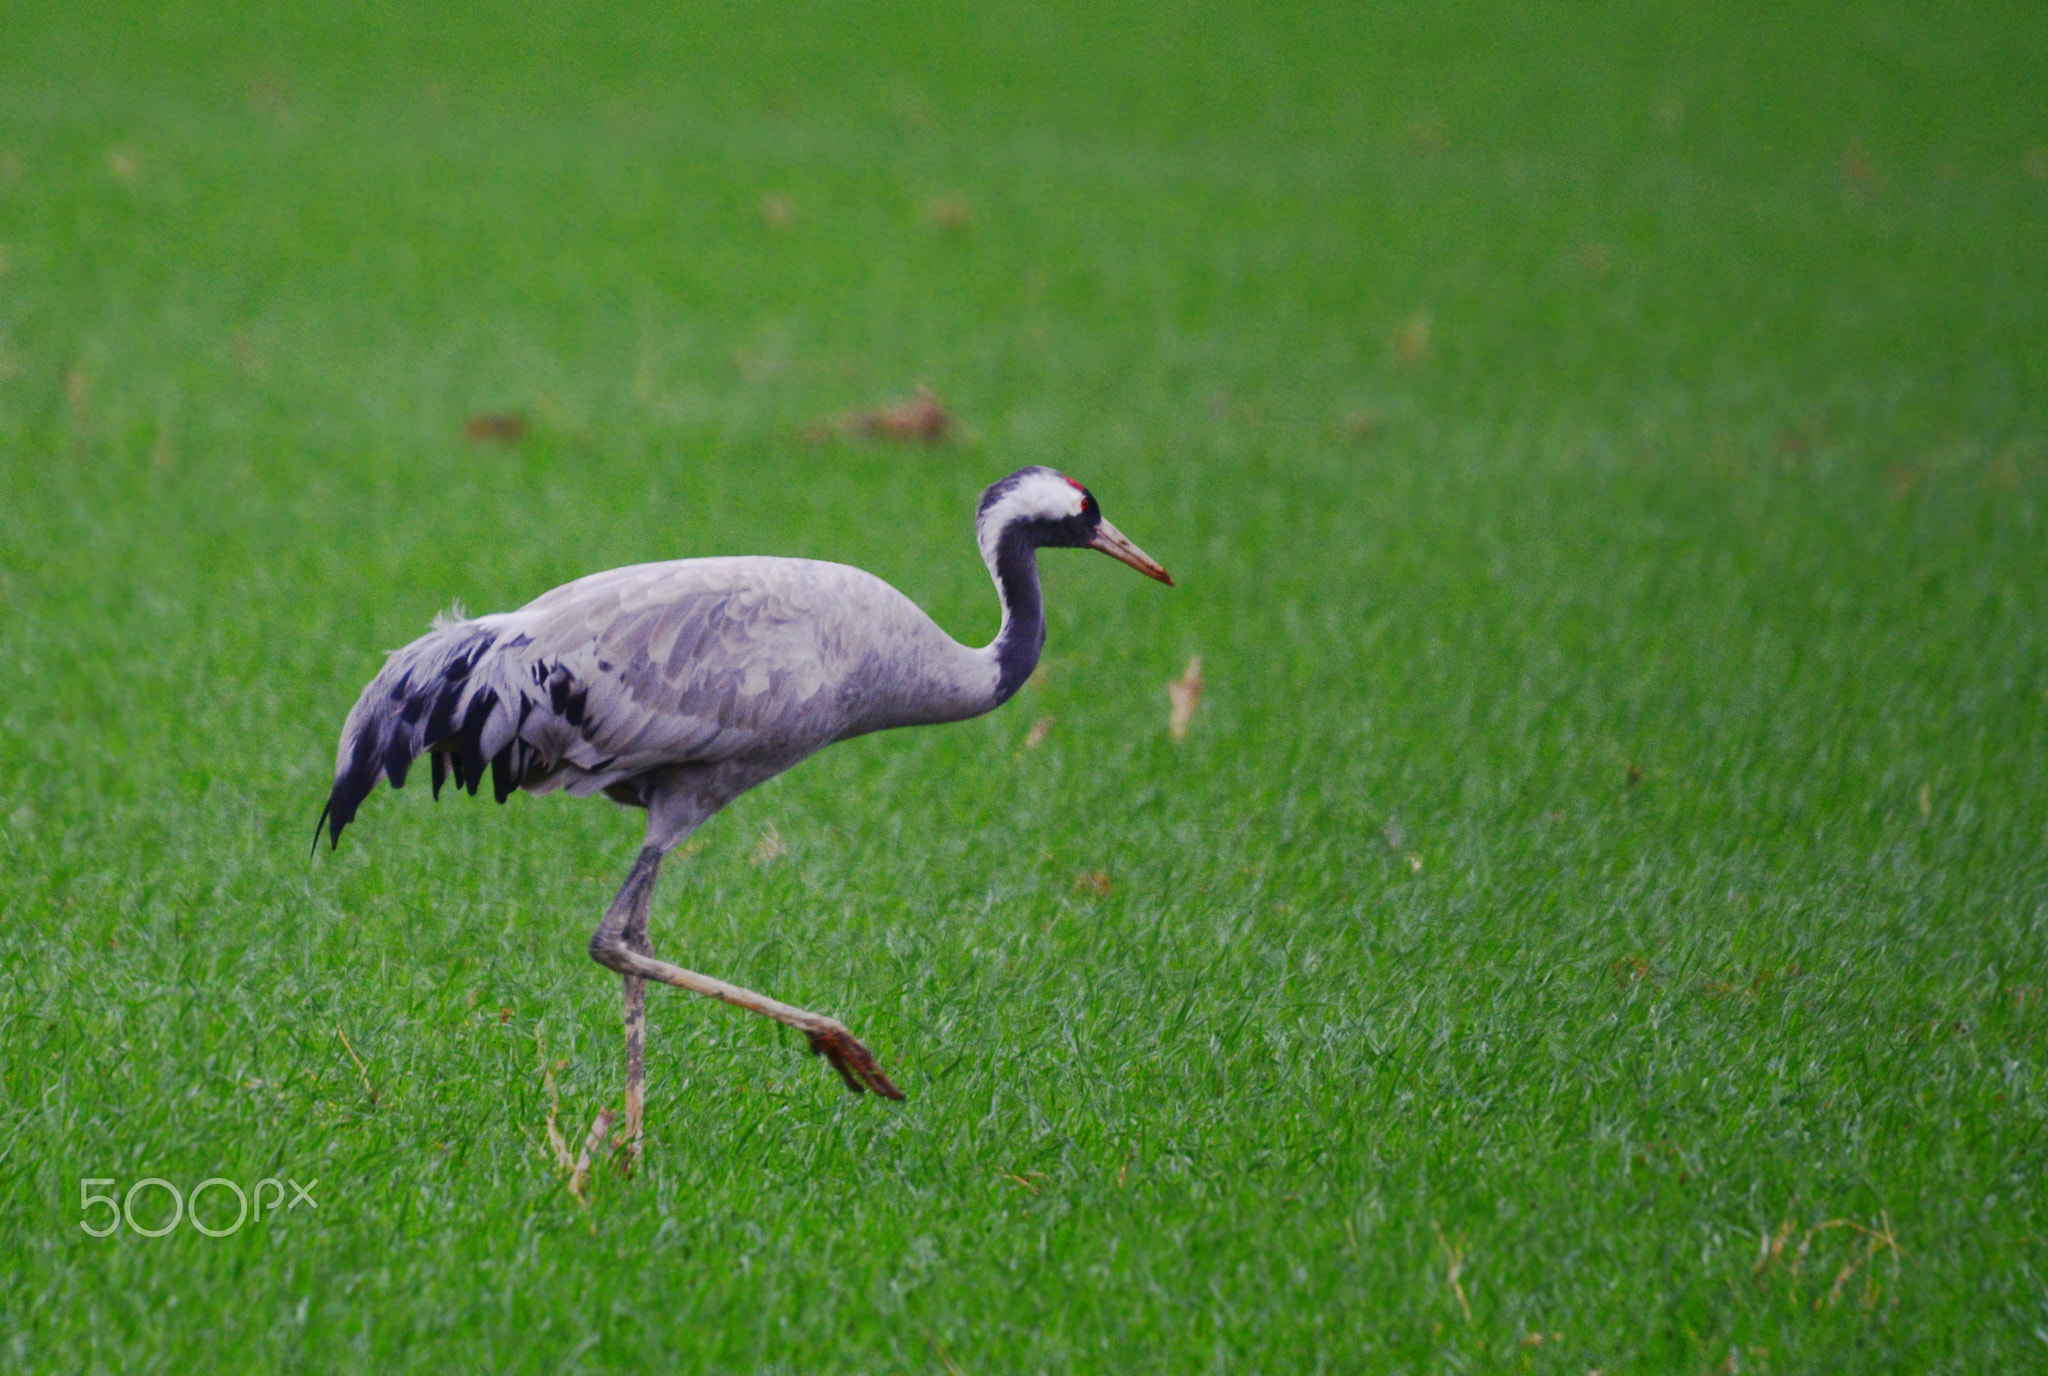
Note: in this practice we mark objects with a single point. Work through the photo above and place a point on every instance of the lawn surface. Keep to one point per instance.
(1598, 919)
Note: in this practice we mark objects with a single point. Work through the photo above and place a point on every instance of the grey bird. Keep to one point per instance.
(678, 686)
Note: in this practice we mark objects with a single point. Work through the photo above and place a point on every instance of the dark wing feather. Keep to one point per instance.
(694, 661)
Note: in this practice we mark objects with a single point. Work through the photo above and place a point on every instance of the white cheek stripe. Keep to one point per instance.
(1042, 496)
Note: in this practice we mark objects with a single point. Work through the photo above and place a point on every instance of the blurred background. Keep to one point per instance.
(1602, 451)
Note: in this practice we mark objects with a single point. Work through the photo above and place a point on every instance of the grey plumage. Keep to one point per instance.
(695, 661)
(678, 686)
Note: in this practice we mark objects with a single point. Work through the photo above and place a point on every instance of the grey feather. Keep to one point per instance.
(697, 661)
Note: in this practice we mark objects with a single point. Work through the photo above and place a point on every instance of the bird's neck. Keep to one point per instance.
(1017, 645)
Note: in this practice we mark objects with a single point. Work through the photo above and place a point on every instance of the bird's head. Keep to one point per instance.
(1042, 506)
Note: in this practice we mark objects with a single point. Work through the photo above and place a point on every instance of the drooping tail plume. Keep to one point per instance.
(430, 697)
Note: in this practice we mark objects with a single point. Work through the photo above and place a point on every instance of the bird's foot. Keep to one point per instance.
(626, 1152)
(855, 1064)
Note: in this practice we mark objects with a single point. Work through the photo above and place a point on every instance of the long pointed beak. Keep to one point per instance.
(1111, 541)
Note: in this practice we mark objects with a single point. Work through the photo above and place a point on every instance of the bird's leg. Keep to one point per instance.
(636, 1061)
(628, 914)
(611, 948)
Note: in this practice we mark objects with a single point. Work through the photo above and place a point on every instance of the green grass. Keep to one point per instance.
(1604, 453)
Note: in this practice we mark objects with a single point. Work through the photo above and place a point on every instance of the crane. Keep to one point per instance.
(677, 686)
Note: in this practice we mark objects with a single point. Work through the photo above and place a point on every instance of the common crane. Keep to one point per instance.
(678, 686)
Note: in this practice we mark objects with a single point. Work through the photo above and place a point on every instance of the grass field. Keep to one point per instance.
(1598, 919)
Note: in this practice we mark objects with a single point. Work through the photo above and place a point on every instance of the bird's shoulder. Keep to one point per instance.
(706, 658)
(747, 589)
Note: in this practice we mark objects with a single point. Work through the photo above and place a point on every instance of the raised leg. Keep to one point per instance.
(620, 944)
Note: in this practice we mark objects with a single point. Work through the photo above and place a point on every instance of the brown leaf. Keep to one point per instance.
(769, 848)
(1040, 729)
(1093, 881)
(1364, 425)
(507, 427)
(922, 417)
(948, 212)
(1185, 694)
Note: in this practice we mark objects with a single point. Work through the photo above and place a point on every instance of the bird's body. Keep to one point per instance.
(697, 661)
(677, 686)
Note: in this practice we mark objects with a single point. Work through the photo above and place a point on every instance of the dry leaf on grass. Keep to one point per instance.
(778, 212)
(1628, 969)
(1454, 1267)
(599, 1127)
(1092, 881)
(1040, 729)
(361, 1069)
(948, 212)
(920, 418)
(1185, 693)
(769, 848)
(564, 1162)
(506, 427)
(1364, 425)
(945, 1357)
(557, 1147)
(923, 419)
